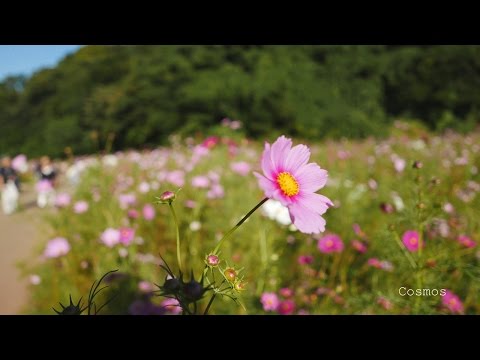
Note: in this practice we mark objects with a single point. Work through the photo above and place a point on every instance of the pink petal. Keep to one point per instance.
(268, 186)
(279, 152)
(314, 202)
(296, 158)
(267, 166)
(307, 221)
(311, 177)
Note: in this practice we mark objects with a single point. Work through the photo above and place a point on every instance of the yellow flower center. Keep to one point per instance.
(413, 241)
(288, 184)
(329, 243)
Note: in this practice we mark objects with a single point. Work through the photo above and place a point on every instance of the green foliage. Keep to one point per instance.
(142, 94)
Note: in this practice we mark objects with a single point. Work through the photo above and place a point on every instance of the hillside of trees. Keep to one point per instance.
(143, 94)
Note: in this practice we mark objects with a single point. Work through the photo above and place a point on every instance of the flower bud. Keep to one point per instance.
(167, 197)
(240, 286)
(212, 260)
(193, 291)
(417, 165)
(230, 274)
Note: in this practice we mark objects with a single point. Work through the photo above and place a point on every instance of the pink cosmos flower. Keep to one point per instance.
(190, 204)
(286, 292)
(110, 237)
(19, 163)
(44, 186)
(126, 236)
(56, 247)
(35, 279)
(216, 192)
(411, 240)
(452, 302)
(286, 307)
(176, 177)
(132, 213)
(385, 303)
(144, 187)
(359, 246)
(358, 231)
(269, 301)
(290, 179)
(305, 259)
(80, 207)
(126, 200)
(466, 241)
(330, 243)
(171, 306)
(210, 142)
(242, 168)
(399, 164)
(145, 286)
(374, 262)
(201, 182)
(62, 200)
(148, 212)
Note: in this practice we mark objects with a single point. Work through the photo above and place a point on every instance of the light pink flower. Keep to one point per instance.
(452, 302)
(286, 307)
(144, 187)
(62, 200)
(216, 192)
(176, 177)
(411, 240)
(359, 246)
(290, 179)
(148, 212)
(190, 204)
(448, 208)
(126, 200)
(330, 243)
(56, 247)
(242, 168)
(466, 241)
(399, 164)
(171, 306)
(145, 286)
(44, 186)
(126, 235)
(305, 259)
(80, 207)
(286, 292)
(269, 301)
(35, 279)
(19, 163)
(201, 181)
(110, 237)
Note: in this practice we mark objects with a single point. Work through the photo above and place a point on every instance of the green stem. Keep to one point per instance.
(209, 304)
(405, 252)
(231, 231)
(179, 257)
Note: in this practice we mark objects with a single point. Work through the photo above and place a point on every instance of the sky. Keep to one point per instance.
(26, 59)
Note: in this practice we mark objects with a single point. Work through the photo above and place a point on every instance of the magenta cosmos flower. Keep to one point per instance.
(57, 247)
(466, 241)
(411, 239)
(452, 302)
(286, 307)
(330, 243)
(359, 246)
(290, 179)
(127, 235)
(269, 301)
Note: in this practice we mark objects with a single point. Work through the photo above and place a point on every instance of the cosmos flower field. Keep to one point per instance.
(392, 229)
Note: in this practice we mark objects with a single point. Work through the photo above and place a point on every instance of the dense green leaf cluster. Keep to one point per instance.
(136, 96)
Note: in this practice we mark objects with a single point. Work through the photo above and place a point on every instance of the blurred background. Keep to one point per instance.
(143, 94)
(122, 123)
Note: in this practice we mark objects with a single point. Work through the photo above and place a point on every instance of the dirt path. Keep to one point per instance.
(18, 235)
